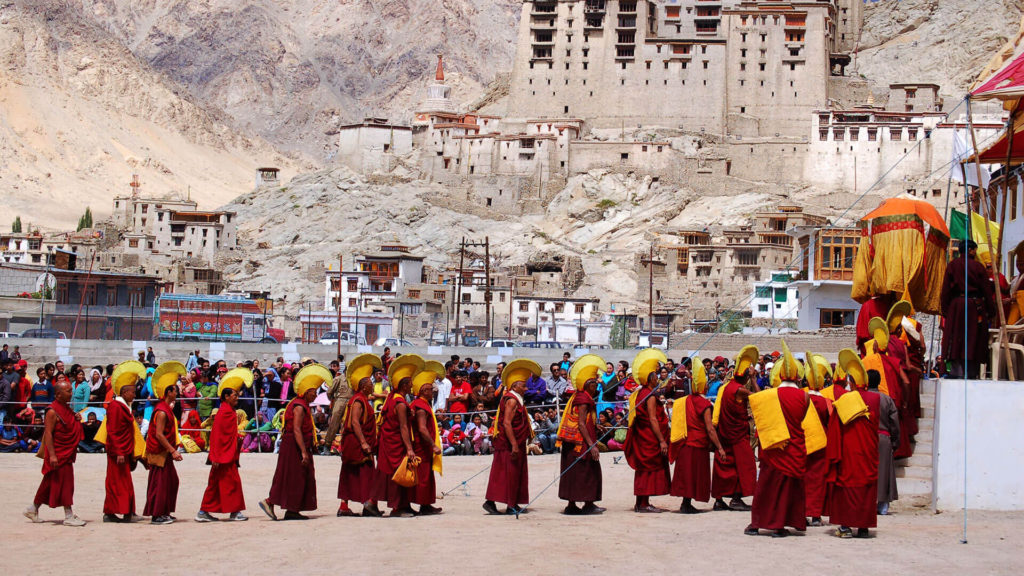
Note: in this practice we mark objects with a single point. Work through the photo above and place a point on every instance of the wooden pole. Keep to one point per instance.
(988, 237)
(458, 290)
(487, 287)
(650, 298)
(341, 278)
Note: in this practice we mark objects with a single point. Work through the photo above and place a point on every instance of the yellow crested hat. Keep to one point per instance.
(839, 375)
(360, 367)
(235, 379)
(127, 373)
(404, 367)
(748, 356)
(897, 313)
(165, 376)
(310, 377)
(585, 368)
(790, 369)
(519, 370)
(852, 365)
(879, 330)
(645, 362)
(816, 368)
(699, 383)
(432, 370)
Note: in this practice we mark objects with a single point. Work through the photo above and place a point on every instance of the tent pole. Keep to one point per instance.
(988, 238)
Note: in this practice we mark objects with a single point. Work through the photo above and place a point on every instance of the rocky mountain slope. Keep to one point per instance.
(291, 70)
(79, 114)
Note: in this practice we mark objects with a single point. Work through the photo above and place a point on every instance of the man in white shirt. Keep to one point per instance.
(443, 388)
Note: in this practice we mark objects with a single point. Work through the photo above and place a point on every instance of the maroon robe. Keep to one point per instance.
(780, 496)
(852, 453)
(875, 307)
(736, 474)
(897, 351)
(581, 474)
(643, 452)
(120, 491)
(915, 359)
(425, 491)
(509, 481)
(390, 453)
(162, 489)
(294, 485)
(978, 298)
(358, 472)
(817, 464)
(224, 487)
(692, 477)
(57, 488)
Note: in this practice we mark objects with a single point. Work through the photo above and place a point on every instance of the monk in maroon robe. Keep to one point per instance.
(852, 453)
(734, 474)
(394, 445)
(509, 481)
(61, 435)
(580, 466)
(224, 487)
(161, 454)
(294, 484)
(975, 299)
(877, 306)
(646, 447)
(424, 443)
(358, 445)
(692, 476)
(817, 464)
(780, 496)
(898, 358)
(120, 491)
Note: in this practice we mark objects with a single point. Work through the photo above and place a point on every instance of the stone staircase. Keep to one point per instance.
(914, 474)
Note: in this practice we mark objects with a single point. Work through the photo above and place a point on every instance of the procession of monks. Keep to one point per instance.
(802, 453)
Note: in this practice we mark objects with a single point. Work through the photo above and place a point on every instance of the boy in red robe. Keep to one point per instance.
(61, 435)
(646, 445)
(852, 453)
(735, 474)
(224, 487)
(509, 481)
(692, 477)
(580, 479)
(294, 485)
(425, 439)
(121, 431)
(395, 438)
(162, 445)
(359, 439)
(780, 496)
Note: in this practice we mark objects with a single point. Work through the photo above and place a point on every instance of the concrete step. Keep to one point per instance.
(920, 458)
(924, 434)
(927, 401)
(918, 472)
(928, 386)
(913, 487)
(928, 413)
(923, 447)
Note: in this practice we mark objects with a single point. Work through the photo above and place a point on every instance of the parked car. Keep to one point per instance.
(542, 344)
(347, 339)
(591, 347)
(396, 342)
(499, 344)
(6, 335)
(44, 333)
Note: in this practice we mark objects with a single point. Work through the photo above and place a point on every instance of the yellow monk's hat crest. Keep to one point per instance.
(879, 330)
(235, 379)
(896, 314)
(310, 377)
(699, 382)
(405, 366)
(360, 367)
(519, 370)
(748, 356)
(851, 365)
(645, 362)
(432, 371)
(790, 369)
(127, 373)
(165, 376)
(585, 368)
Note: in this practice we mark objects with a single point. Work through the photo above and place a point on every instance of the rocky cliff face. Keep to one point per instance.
(79, 114)
(291, 70)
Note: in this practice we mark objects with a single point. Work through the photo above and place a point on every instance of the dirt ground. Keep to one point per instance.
(465, 540)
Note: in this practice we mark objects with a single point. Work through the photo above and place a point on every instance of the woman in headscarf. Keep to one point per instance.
(80, 391)
(97, 385)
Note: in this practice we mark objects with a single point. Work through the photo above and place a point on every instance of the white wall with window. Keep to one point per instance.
(776, 299)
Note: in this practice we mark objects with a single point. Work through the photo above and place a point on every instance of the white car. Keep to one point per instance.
(396, 342)
(347, 339)
(6, 335)
(499, 344)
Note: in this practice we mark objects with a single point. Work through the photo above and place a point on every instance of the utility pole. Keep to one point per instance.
(650, 297)
(487, 287)
(458, 289)
(511, 297)
(341, 269)
(536, 322)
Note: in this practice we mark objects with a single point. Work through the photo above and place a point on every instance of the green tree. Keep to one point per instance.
(16, 225)
(86, 220)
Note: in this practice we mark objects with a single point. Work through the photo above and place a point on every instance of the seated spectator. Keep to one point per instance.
(459, 398)
(559, 386)
(483, 391)
(544, 432)
(536, 391)
(485, 417)
(13, 440)
(97, 385)
(604, 431)
(454, 441)
(258, 437)
(89, 428)
(187, 394)
(192, 428)
(479, 436)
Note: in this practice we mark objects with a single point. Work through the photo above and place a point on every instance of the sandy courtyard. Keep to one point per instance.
(464, 540)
